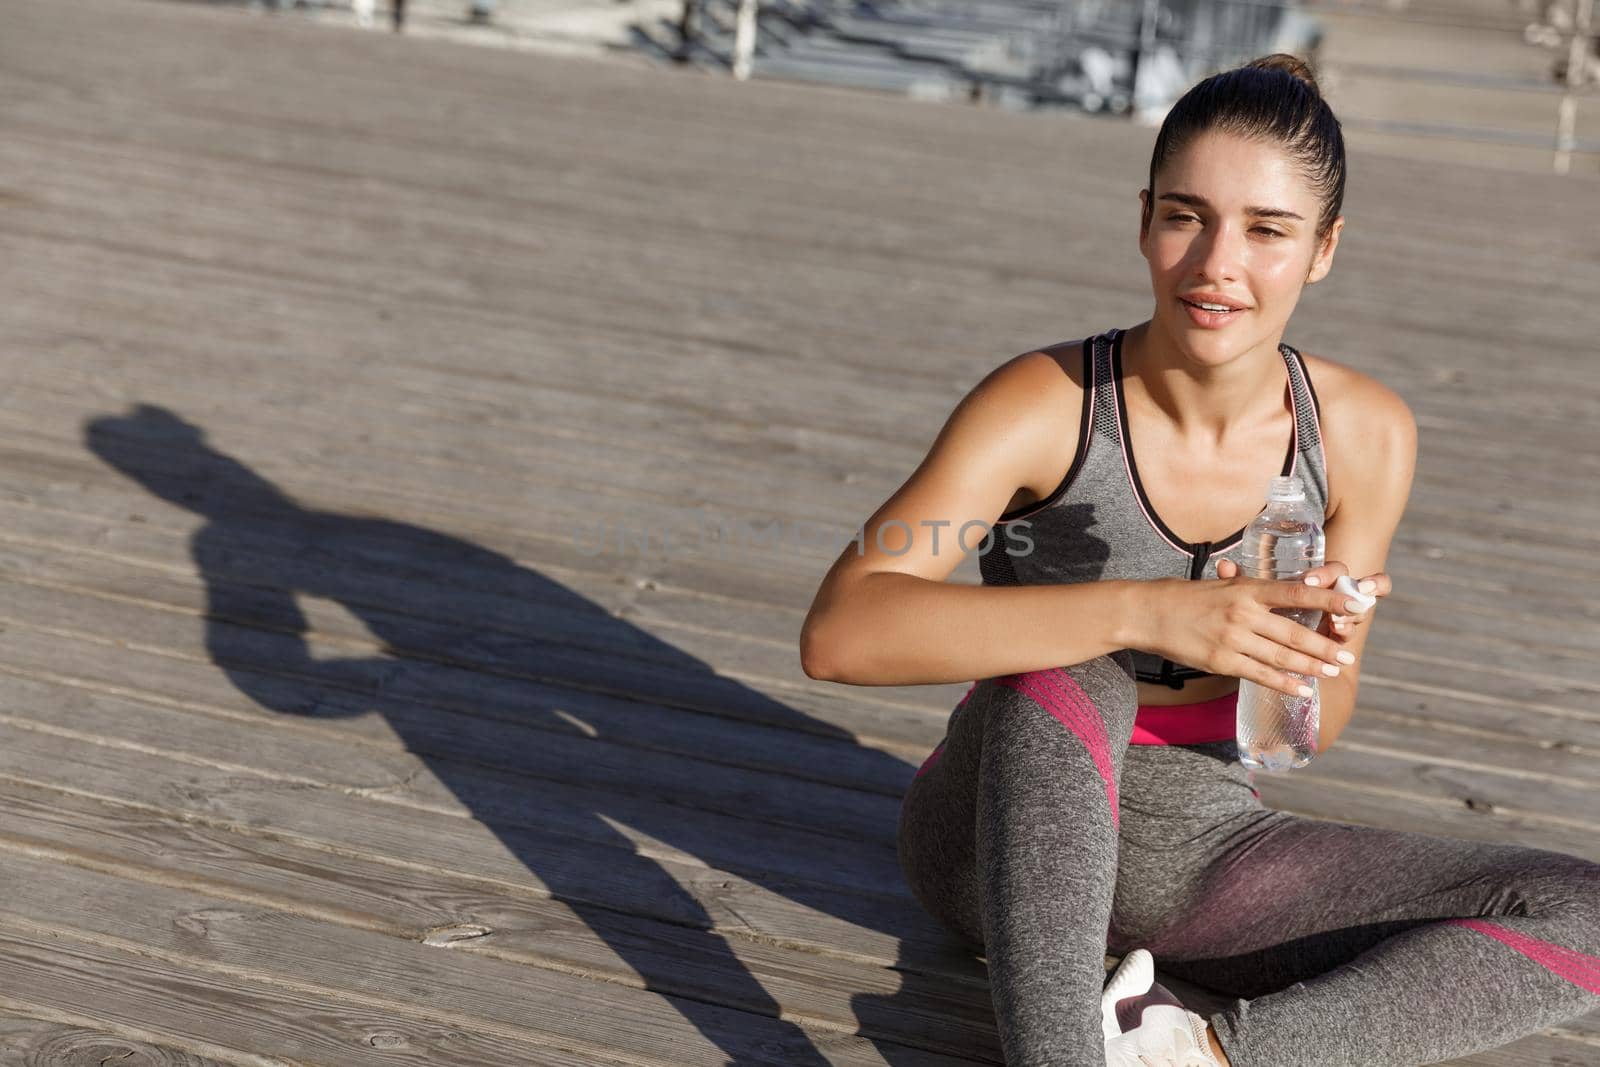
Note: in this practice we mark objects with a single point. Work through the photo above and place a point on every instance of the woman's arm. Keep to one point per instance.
(885, 615)
(1374, 460)
(890, 618)
(894, 628)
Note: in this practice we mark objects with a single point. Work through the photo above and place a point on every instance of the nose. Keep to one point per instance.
(1218, 252)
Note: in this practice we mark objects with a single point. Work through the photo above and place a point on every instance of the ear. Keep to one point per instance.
(1144, 223)
(1322, 263)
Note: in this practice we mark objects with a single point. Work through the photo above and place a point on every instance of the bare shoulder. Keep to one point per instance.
(1054, 368)
(1369, 433)
(1042, 393)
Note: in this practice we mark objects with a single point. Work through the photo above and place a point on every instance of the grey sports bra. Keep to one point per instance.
(1098, 525)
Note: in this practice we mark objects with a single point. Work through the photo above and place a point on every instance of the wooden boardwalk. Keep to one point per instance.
(338, 727)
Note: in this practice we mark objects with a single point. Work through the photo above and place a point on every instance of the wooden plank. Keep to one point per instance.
(1385, 775)
(518, 788)
(924, 419)
(1502, 699)
(524, 387)
(448, 403)
(652, 881)
(1556, 282)
(1453, 594)
(1486, 619)
(25, 1041)
(47, 600)
(260, 559)
(148, 1002)
(716, 965)
(722, 477)
(276, 832)
(210, 847)
(1516, 709)
(645, 470)
(175, 594)
(339, 685)
(361, 971)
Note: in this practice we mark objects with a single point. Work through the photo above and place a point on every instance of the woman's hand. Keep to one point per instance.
(1337, 625)
(1228, 626)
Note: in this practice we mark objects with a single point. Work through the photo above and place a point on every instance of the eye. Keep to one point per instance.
(1182, 216)
(1268, 231)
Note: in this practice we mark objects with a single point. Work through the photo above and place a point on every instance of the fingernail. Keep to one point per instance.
(1354, 607)
(1330, 670)
(1367, 585)
(1305, 690)
(1312, 579)
(1346, 656)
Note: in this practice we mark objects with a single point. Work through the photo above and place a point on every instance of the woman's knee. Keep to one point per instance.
(1095, 699)
(1556, 883)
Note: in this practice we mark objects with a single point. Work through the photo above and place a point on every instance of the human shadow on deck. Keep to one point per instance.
(553, 722)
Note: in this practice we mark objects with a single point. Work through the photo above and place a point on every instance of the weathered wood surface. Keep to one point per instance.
(327, 736)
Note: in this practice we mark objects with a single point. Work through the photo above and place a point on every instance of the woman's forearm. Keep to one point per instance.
(892, 628)
(1336, 703)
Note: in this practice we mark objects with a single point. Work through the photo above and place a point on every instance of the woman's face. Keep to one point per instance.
(1233, 219)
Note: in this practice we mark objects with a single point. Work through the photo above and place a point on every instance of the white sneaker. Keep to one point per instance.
(1145, 1025)
(1132, 978)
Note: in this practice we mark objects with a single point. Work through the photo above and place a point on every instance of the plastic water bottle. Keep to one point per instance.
(1277, 731)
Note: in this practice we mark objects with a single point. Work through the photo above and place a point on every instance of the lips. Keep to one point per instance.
(1211, 320)
(1216, 299)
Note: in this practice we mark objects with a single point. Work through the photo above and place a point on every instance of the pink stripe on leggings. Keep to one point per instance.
(1069, 693)
(1575, 967)
(1057, 693)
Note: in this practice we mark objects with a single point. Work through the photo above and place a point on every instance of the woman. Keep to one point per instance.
(1088, 795)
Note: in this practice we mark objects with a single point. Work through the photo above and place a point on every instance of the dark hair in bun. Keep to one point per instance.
(1274, 98)
(1285, 62)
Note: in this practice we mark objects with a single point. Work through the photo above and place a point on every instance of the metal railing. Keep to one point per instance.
(1135, 57)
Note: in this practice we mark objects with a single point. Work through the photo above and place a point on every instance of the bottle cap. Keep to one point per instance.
(1347, 585)
(1285, 487)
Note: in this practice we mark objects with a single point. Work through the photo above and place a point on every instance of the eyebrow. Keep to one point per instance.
(1263, 212)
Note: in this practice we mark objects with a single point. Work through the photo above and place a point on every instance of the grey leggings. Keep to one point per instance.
(1036, 833)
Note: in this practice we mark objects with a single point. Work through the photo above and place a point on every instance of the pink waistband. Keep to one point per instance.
(1186, 724)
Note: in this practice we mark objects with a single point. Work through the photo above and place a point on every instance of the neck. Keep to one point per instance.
(1207, 402)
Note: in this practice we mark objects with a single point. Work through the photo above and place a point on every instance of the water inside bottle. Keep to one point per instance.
(1277, 731)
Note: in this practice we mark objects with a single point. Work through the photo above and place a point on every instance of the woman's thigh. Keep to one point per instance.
(1185, 809)
(1041, 752)
(1295, 897)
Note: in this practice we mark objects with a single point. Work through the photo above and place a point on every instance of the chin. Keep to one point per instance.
(1211, 347)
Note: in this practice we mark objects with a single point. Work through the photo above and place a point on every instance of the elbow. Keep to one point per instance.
(816, 654)
(830, 639)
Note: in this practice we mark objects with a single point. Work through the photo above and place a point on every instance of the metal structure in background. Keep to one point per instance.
(1577, 74)
(1114, 55)
(1122, 57)
(1162, 47)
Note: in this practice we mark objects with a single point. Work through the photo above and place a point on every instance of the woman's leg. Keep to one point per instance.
(1363, 946)
(1008, 836)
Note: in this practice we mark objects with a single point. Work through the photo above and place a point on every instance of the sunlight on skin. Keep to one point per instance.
(1216, 1049)
(1262, 261)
